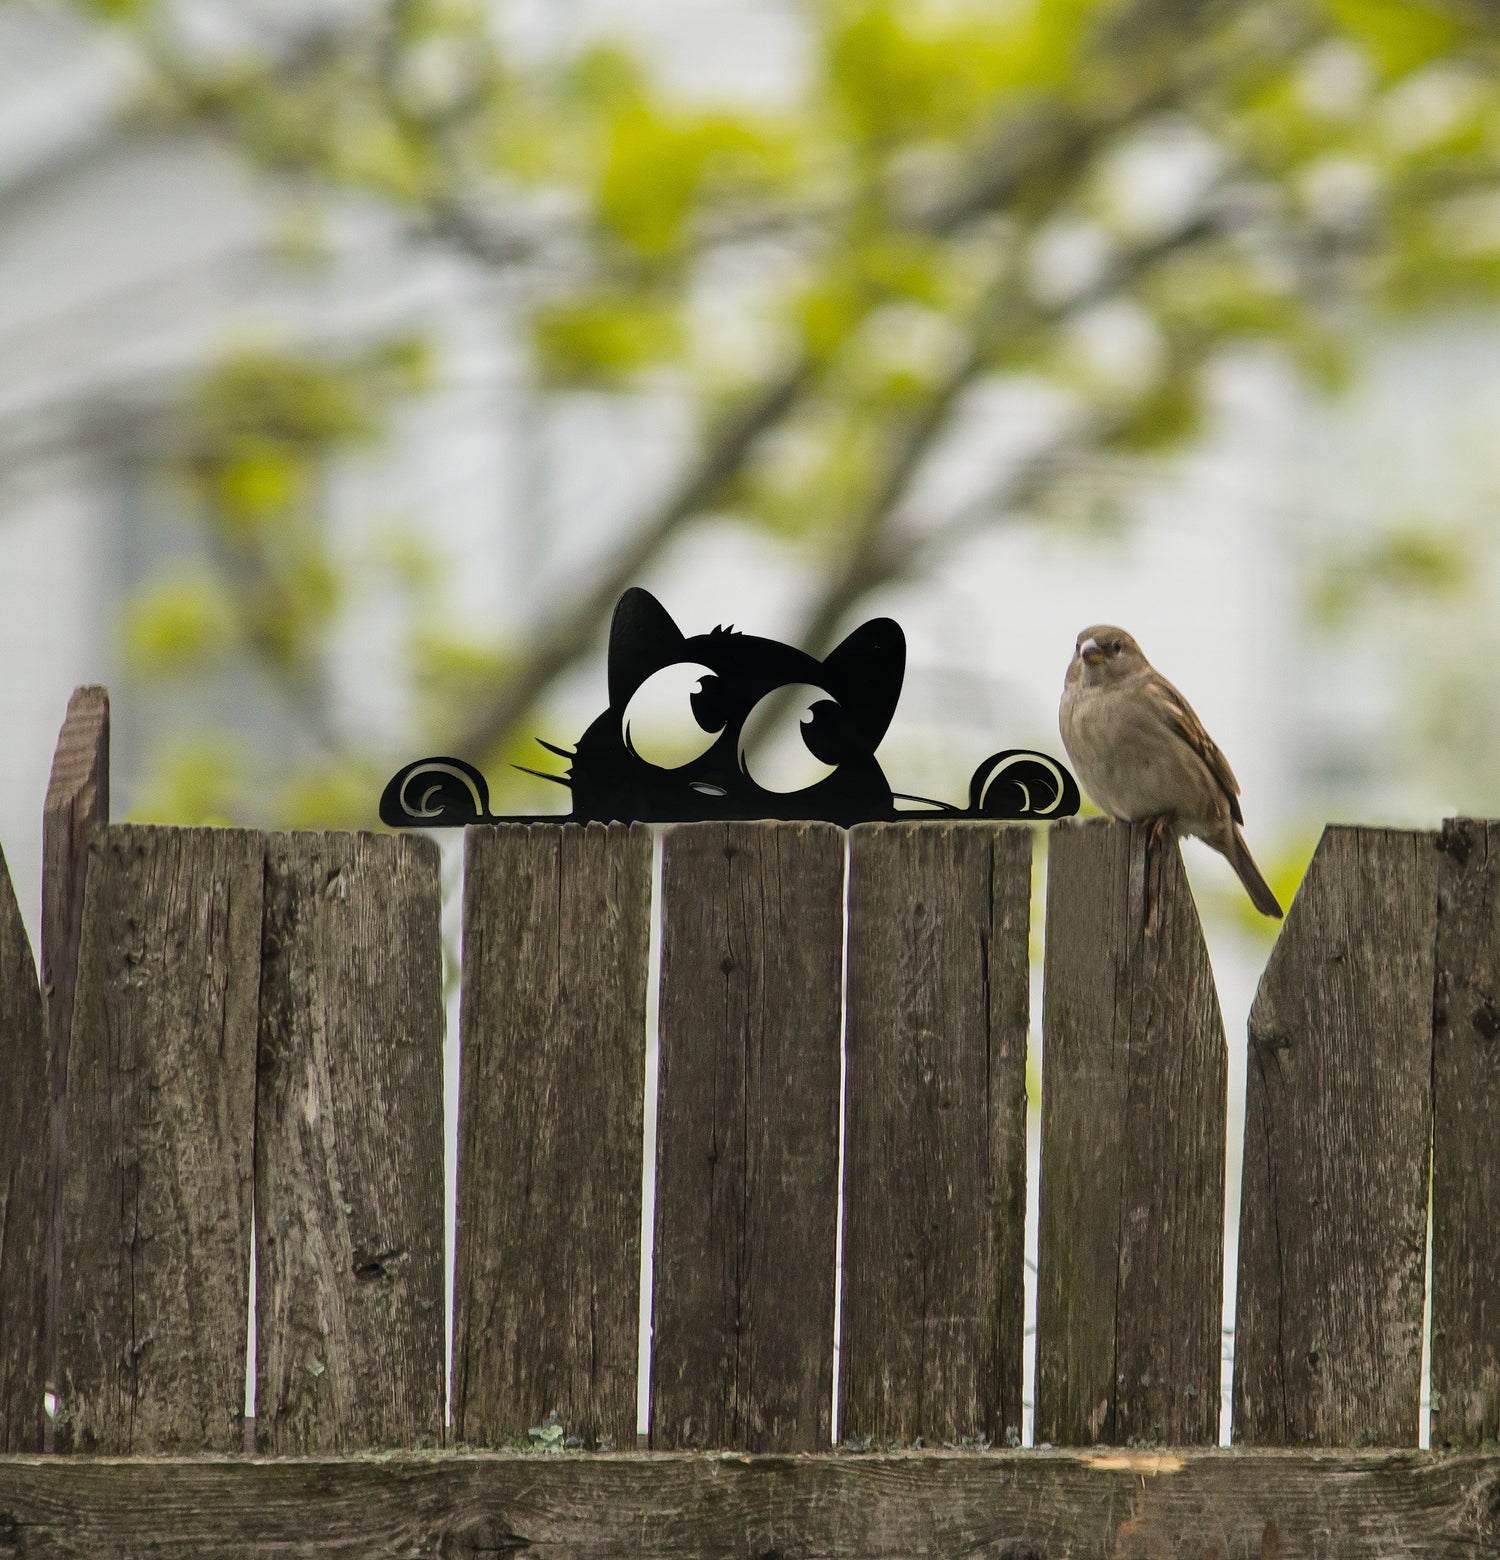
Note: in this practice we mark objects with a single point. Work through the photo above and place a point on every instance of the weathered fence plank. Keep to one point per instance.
(557, 925)
(77, 802)
(747, 1136)
(1134, 1072)
(25, 1216)
(156, 1192)
(935, 1135)
(1466, 1137)
(1333, 1217)
(349, 1146)
(1224, 1505)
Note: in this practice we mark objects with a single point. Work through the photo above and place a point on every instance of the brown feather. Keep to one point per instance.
(1190, 728)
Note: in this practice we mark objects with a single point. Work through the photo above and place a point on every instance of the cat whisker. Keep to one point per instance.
(907, 796)
(543, 775)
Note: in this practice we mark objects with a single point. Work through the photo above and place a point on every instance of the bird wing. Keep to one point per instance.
(1183, 720)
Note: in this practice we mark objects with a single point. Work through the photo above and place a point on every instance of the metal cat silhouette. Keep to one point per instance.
(726, 725)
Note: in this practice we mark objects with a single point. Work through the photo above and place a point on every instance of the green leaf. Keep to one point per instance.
(811, 474)
(866, 270)
(1399, 34)
(407, 363)
(371, 152)
(1411, 560)
(256, 482)
(604, 337)
(1215, 298)
(547, 1436)
(604, 77)
(660, 167)
(194, 783)
(278, 394)
(1168, 414)
(914, 71)
(453, 671)
(172, 627)
(118, 10)
(289, 606)
(403, 555)
(341, 795)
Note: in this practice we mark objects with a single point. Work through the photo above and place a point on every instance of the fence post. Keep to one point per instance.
(24, 1203)
(935, 1136)
(349, 1146)
(1333, 1212)
(77, 802)
(156, 1192)
(1134, 1072)
(747, 1136)
(1465, 1147)
(557, 921)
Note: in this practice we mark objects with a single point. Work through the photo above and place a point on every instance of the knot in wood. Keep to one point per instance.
(482, 1536)
(1486, 1020)
(368, 1266)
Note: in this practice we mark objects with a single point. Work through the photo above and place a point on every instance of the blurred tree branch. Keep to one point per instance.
(872, 556)
(936, 155)
(1040, 159)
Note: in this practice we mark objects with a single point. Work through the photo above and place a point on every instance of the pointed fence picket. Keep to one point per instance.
(1130, 1250)
(24, 1206)
(244, 1031)
(1333, 1210)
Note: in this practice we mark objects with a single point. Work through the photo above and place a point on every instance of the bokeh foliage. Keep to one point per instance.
(954, 196)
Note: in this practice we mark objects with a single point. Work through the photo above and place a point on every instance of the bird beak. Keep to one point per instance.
(1089, 650)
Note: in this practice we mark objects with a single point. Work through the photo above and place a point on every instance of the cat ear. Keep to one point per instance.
(865, 673)
(642, 639)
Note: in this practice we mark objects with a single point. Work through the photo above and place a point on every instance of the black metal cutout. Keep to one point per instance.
(672, 746)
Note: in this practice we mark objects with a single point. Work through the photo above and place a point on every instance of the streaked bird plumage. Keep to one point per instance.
(1141, 752)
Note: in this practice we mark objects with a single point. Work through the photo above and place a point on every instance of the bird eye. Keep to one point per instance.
(776, 741)
(674, 716)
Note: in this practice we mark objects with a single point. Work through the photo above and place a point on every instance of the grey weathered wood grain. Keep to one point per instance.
(25, 1217)
(1333, 1217)
(349, 1145)
(1134, 1074)
(156, 1192)
(1466, 1137)
(1220, 1505)
(935, 1134)
(747, 1136)
(547, 1292)
(77, 802)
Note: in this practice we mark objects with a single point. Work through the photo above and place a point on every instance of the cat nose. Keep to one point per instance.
(705, 789)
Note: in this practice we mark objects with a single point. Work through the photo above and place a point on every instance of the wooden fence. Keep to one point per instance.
(230, 1021)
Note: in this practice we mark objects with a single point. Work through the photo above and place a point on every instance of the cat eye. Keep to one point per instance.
(669, 720)
(779, 742)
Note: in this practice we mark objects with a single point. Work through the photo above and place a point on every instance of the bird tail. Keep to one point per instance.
(1249, 874)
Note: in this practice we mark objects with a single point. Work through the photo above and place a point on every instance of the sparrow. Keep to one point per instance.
(1143, 755)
